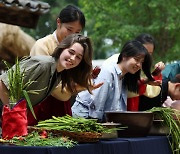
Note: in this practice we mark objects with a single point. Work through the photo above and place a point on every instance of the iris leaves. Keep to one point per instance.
(17, 87)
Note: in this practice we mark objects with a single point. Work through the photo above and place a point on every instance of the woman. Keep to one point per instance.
(70, 61)
(148, 42)
(70, 20)
(118, 78)
(133, 98)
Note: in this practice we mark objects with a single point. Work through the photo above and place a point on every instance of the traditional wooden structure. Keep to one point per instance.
(14, 42)
(23, 13)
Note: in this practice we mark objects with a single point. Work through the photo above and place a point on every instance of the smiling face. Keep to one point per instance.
(70, 57)
(133, 64)
(65, 29)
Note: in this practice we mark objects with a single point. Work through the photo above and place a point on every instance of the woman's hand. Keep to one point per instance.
(95, 86)
(66, 94)
(158, 68)
(92, 87)
(160, 65)
(95, 73)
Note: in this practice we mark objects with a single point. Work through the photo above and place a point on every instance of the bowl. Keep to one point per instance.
(138, 123)
(158, 128)
(114, 133)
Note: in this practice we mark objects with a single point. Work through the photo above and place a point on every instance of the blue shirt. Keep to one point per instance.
(111, 96)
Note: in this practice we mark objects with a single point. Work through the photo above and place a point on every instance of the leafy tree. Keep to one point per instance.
(122, 20)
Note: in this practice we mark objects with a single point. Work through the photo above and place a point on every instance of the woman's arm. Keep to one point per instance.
(4, 93)
(66, 94)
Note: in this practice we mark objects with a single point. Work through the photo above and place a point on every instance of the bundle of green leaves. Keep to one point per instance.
(17, 87)
(71, 124)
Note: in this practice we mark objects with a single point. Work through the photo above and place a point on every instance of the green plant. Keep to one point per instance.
(35, 139)
(17, 87)
(68, 123)
(170, 119)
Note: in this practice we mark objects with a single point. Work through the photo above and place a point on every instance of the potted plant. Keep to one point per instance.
(14, 116)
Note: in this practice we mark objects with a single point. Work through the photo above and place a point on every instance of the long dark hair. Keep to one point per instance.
(145, 38)
(71, 13)
(133, 49)
(80, 74)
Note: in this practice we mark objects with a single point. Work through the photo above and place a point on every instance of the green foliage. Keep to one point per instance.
(170, 119)
(15, 78)
(68, 123)
(122, 20)
(17, 86)
(34, 139)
